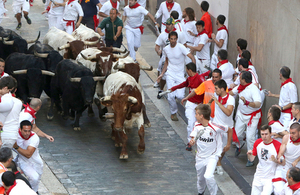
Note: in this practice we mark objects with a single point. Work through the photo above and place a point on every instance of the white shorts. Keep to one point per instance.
(18, 7)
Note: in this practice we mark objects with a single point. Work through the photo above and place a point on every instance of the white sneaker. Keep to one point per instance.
(156, 85)
(220, 170)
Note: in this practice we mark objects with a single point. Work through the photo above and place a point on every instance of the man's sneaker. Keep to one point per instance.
(249, 164)
(158, 96)
(220, 170)
(28, 20)
(156, 85)
(238, 150)
(174, 117)
(188, 147)
(19, 26)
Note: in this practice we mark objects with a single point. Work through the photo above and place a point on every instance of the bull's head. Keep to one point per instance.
(121, 105)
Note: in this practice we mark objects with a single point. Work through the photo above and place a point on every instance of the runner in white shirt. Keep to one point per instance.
(174, 68)
(265, 149)
(207, 136)
(224, 106)
(2, 9)
(165, 10)
(296, 114)
(201, 46)
(220, 40)
(72, 11)
(277, 128)
(175, 15)
(28, 113)
(288, 95)
(19, 7)
(248, 113)
(15, 186)
(225, 66)
(105, 9)
(134, 28)
(241, 45)
(55, 14)
(292, 187)
(161, 42)
(29, 159)
(188, 24)
(288, 156)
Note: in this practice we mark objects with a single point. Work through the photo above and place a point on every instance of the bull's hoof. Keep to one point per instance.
(102, 118)
(50, 117)
(77, 128)
(91, 114)
(147, 125)
(60, 112)
(140, 150)
(72, 118)
(124, 156)
(118, 145)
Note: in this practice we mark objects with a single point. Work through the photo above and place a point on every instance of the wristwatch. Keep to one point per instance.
(17, 147)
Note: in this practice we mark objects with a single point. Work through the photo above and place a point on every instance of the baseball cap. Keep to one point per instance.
(170, 21)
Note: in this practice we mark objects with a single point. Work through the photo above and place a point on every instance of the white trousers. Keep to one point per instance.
(241, 125)
(68, 29)
(33, 176)
(285, 119)
(280, 173)
(201, 64)
(205, 174)
(214, 62)
(190, 115)
(55, 21)
(261, 186)
(19, 7)
(133, 36)
(179, 93)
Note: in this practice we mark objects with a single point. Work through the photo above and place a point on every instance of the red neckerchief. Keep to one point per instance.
(2, 74)
(202, 32)
(295, 186)
(272, 122)
(289, 80)
(169, 6)
(242, 87)
(174, 29)
(29, 110)
(297, 141)
(70, 1)
(250, 63)
(31, 134)
(223, 28)
(10, 188)
(221, 63)
(114, 5)
(185, 21)
(135, 6)
(16, 172)
(223, 101)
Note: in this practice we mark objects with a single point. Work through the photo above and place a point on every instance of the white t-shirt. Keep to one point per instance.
(163, 39)
(294, 120)
(227, 73)
(103, 1)
(220, 117)
(254, 78)
(288, 94)
(21, 188)
(57, 11)
(204, 54)
(266, 167)
(165, 13)
(210, 142)
(288, 191)
(252, 94)
(26, 116)
(277, 127)
(143, 3)
(4, 75)
(291, 153)
(6, 105)
(11, 124)
(176, 58)
(189, 26)
(72, 11)
(134, 16)
(35, 160)
(107, 7)
(221, 34)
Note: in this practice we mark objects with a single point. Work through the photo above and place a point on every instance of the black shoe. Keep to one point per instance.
(158, 96)
(249, 164)
(238, 150)
(19, 26)
(200, 193)
(28, 20)
(188, 147)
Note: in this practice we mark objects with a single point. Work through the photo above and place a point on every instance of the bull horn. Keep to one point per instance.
(41, 55)
(91, 42)
(115, 49)
(146, 68)
(132, 99)
(33, 41)
(46, 72)
(105, 98)
(8, 42)
(20, 72)
(76, 79)
(89, 57)
(99, 78)
(64, 46)
(119, 66)
(121, 55)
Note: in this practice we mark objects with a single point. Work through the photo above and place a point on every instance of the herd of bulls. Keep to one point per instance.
(75, 71)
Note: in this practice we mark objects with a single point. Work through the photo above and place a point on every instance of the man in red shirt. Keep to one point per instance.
(206, 17)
